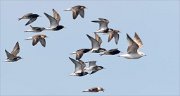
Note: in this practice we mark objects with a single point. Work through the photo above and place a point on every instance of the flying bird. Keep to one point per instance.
(96, 47)
(132, 50)
(35, 29)
(36, 38)
(103, 25)
(79, 68)
(32, 17)
(111, 52)
(79, 53)
(93, 68)
(77, 10)
(11, 57)
(94, 89)
(113, 34)
(54, 21)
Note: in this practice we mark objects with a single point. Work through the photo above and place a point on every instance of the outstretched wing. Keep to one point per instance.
(52, 20)
(16, 49)
(56, 16)
(30, 21)
(95, 44)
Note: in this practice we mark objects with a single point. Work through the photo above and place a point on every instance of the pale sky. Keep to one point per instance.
(45, 71)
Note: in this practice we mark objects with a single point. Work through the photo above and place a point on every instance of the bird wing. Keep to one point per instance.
(111, 35)
(95, 44)
(81, 12)
(132, 47)
(30, 21)
(79, 54)
(98, 38)
(138, 40)
(75, 12)
(35, 41)
(52, 20)
(78, 66)
(43, 42)
(116, 37)
(56, 16)
(9, 55)
(16, 49)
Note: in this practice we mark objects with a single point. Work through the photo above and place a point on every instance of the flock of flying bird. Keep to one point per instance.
(80, 66)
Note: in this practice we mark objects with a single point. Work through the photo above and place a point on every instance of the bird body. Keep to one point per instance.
(38, 38)
(32, 17)
(77, 10)
(11, 57)
(94, 89)
(132, 50)
(54, 21)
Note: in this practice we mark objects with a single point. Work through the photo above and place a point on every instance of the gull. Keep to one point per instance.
(132, 50)
(79, 53)
(32, 17)
(96, 47)
(54, 21)
(36, 38)
(113, 34)
(93, 68)
(111, 52)
(11, 57)
(35, 29)
(76, 10)
(94, 89)
(79, 68)
(103, 25)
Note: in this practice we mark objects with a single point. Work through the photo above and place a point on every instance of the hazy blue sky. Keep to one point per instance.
(45, 71)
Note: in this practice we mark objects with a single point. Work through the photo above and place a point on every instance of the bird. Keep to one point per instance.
(54, 21)
(111, 52)
(77, 10)
(96, 47)
(132, 50)
(103, 25)
(79, 68)
(79, 53)
(94, 89)
(31, 16)
(12, 57)
(113, 34)
(93, 68)
(35, 29)
(36, 38)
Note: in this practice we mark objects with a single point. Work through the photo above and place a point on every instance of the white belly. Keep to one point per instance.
(131, 56)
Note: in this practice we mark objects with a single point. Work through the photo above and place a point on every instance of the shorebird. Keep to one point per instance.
(132, 50)
(94, 89)
(11, 57)
(54, 21)
(96, 47)
(35, 29)
(79, 53)
(113, 34)
(32, 17)
(36, 38)
(79, 68)
(103, 25)
(111, 52)
(93, 68)
(76, 10)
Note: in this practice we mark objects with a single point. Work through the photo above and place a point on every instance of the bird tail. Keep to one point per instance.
(69, 9)
(30, 38)
(19, 19)
(85, 91)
